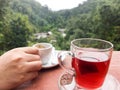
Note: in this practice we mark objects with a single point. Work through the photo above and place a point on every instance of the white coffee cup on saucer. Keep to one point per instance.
(45, 51)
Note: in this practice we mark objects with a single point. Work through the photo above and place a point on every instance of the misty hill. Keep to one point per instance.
(93, 18)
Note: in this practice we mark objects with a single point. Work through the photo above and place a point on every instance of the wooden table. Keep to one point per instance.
(48, 78)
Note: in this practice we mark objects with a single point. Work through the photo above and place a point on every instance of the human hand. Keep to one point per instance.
(17, 66)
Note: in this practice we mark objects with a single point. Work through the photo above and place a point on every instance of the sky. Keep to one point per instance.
(56, 5)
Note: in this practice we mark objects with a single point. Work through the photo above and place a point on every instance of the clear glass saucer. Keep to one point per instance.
(67, 82)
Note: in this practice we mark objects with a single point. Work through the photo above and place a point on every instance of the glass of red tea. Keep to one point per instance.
(88, 60)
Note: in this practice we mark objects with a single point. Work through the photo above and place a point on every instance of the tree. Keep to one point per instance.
(3, 6)
(18, 33)
(3, 22)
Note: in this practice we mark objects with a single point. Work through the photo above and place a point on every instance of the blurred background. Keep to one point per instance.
(26, 22)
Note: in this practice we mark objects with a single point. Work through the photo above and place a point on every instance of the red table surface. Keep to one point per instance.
(48, 78)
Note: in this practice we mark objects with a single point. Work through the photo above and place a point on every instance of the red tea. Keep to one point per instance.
(91, 69)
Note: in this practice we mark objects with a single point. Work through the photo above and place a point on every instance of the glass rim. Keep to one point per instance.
(94, 39)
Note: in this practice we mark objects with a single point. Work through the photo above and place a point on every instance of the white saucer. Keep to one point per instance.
(53, 61)
(67, 82)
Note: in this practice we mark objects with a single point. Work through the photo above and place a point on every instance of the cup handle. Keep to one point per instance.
(66, 61)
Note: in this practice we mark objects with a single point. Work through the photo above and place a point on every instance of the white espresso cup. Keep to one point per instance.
(45, 51)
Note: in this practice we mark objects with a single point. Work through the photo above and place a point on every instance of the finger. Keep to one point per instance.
(33, 66)
(30, 50)
(32, 57)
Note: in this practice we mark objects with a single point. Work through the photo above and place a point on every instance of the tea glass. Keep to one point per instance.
(88, 62)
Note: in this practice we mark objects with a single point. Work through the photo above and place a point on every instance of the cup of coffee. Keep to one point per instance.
(45, 51)
(88, 62)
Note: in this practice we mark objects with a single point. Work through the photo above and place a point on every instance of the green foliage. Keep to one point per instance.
(3, 4)
(17, 32)
(99, 19)
(23, 18)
